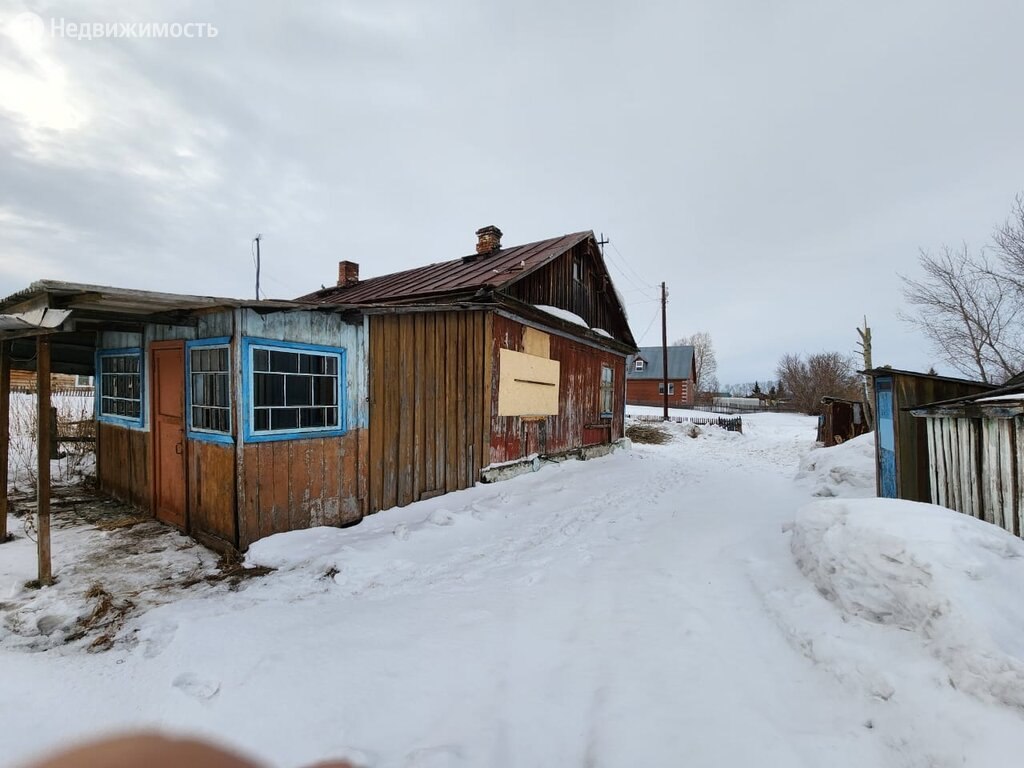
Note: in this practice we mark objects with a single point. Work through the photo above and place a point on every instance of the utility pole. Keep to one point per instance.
(257, 241)
(602, 241)
(664, 350)
(869, 395)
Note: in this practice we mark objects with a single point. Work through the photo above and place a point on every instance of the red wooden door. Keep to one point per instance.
(167, 395)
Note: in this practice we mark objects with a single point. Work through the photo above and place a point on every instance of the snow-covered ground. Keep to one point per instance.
(693, 604)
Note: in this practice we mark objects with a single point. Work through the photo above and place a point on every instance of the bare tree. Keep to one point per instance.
(970, 309)
(705, 364)
(807, 381)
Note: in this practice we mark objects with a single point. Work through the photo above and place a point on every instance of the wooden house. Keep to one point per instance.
(975, 459)
(901, 440)
(233, 420)
(230, 420)
(494, 357)
(646, 380)
(26, 380)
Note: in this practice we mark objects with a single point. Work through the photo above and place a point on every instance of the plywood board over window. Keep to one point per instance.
(527, 385)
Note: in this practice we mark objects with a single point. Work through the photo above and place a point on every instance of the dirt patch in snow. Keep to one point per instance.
(110, 563)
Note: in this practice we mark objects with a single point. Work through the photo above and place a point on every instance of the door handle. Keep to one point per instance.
(179, 449)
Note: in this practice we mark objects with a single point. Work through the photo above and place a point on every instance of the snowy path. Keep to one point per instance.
(642, 609)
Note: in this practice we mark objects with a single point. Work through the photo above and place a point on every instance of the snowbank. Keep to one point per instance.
(846, 470)
(952, 581)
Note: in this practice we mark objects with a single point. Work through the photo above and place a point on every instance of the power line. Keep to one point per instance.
(649, 325)
(630, 267)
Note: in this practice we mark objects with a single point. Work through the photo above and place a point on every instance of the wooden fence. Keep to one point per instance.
(57, 391)
(735, 424)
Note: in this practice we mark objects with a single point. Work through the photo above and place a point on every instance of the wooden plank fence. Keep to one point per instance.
(733, 424)
(975, 468)
(57, 391)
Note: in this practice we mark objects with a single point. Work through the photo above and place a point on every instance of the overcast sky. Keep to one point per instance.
(776, 163)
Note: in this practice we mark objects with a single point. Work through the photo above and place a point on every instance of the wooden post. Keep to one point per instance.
(5, 433)
(43, 458)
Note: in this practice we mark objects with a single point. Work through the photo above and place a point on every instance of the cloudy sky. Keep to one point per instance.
(777, 163)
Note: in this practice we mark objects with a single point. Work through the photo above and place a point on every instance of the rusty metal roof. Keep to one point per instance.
(494, 270)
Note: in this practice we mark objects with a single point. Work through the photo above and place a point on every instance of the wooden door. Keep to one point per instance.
(167, 395)
(886, 426)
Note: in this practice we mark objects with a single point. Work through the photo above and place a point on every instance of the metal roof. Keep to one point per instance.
(128, 300)
(489, 271)
(680, 363)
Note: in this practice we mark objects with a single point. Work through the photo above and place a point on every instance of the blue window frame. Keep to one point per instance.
(292, 390)
(119, 387)
(208, 389)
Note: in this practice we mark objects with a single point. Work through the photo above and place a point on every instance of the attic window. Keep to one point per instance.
(640, 364)
(577, 268)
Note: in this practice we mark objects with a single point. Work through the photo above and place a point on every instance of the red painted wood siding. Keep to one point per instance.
(579, 399)
(645, 392)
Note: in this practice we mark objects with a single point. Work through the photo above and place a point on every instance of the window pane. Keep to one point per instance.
(284, 418)
(261, 420)
(269, 390)
(299, 390)
(261, 360)
(284, 362)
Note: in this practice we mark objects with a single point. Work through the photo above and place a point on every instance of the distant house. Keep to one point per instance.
(901, 441)
(976, 454)
(645, 379)
(26, 380)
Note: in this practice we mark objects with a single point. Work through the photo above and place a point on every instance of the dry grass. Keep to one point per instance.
(648, 433)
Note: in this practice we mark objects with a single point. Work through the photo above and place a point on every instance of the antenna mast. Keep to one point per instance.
(256, 240)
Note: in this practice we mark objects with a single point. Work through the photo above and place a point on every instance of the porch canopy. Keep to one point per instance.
(52, 327)
(71, 314)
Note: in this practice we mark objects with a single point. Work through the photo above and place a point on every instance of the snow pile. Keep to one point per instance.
(846, 470)
(563, 314)
(952, 581)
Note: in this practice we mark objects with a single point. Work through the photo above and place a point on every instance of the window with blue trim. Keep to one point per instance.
(210, 388)
(120, 384)
(294, 388)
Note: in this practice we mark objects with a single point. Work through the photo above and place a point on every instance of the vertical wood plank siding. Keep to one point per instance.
(427, 382)
(211, 491)
(294, 484)
(123, 464)
(579, 393)
(590, 297)
(976, 468)
(911, 434)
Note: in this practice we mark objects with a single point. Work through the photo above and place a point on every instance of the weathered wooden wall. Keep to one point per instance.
(123, 464)
(429, 384)
(975, 467)
(645, 392)
(578, 422)
(911, 435)
(211, 491)
(591, 297)
(293, 484)
(238, 493)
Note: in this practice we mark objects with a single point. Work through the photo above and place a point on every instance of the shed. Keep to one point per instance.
(901, 441)
(841, 420)
(646, 379)
(488, 360)
(975, 460)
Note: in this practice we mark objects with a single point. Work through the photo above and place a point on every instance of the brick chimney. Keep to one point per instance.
(348, 273)
(488, 240)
